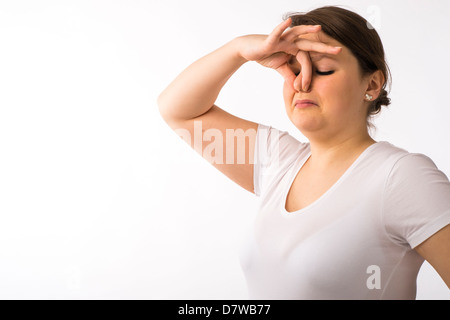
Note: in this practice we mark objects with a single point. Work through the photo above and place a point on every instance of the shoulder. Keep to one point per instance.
(275, 152)
(416, 199)
(278, 145)
(273, 135)
(415, 167)
(403, 167)
(389, 152)
(399, 161)
(414, 178)
(398, 170)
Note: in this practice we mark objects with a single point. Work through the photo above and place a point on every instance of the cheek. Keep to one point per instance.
(288, 94)
(338, 91)
(329, 86)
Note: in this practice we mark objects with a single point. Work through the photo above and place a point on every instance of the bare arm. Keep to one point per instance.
(188, 102)
(436, 250)
(196, 89)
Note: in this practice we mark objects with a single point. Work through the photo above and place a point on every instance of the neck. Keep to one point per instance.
(338, 150)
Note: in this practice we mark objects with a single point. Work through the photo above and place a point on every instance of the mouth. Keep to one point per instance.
(301, 104)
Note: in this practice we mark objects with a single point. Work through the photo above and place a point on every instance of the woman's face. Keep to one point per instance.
(338, 90)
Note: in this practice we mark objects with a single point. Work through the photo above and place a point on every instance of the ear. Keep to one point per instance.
(375, 83)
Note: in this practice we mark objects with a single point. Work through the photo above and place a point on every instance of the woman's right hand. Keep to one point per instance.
(276, 50)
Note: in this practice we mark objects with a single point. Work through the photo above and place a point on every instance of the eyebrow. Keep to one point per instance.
(314, 58)
(317, 57)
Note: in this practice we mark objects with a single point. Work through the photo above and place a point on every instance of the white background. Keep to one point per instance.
(99, 199)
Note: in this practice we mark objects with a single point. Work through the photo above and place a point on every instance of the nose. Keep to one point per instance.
(298, 83)
(308, 89)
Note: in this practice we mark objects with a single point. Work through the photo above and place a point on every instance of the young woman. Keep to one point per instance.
(342, 216)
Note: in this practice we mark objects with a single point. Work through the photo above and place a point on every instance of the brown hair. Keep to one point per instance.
(354, 32)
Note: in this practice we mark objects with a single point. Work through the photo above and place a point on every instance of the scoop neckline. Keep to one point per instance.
(326, 193)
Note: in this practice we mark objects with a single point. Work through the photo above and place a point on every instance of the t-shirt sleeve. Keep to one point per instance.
(274, 151)
(416, 200)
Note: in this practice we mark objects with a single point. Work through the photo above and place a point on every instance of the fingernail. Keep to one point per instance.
(305, 86)
(334, 50)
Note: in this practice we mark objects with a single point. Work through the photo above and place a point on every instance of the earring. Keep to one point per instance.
(368, 97)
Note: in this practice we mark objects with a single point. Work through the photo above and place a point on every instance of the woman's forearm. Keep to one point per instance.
(196, 89)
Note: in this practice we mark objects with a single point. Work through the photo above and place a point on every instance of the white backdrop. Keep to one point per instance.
(99, 199)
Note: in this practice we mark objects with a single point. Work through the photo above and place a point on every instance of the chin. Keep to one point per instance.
(306, 123)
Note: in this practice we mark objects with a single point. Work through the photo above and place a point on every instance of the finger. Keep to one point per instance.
(287, 73)
(308, 45)
(290, 48)
(306, 74)
(297, 83)
(278, 31)
(297, 31)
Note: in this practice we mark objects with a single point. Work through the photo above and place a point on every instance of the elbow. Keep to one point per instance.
(160, 102)
(161, 106)
(164, 109)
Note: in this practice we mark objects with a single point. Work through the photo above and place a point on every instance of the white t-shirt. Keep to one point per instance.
(356, 241)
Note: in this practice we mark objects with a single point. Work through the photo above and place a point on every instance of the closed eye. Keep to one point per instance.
(324, 73)
(320, 73)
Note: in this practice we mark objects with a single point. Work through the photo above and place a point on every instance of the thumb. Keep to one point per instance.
(287, 73)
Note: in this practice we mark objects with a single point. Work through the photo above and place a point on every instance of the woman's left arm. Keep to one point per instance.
(436, 250)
